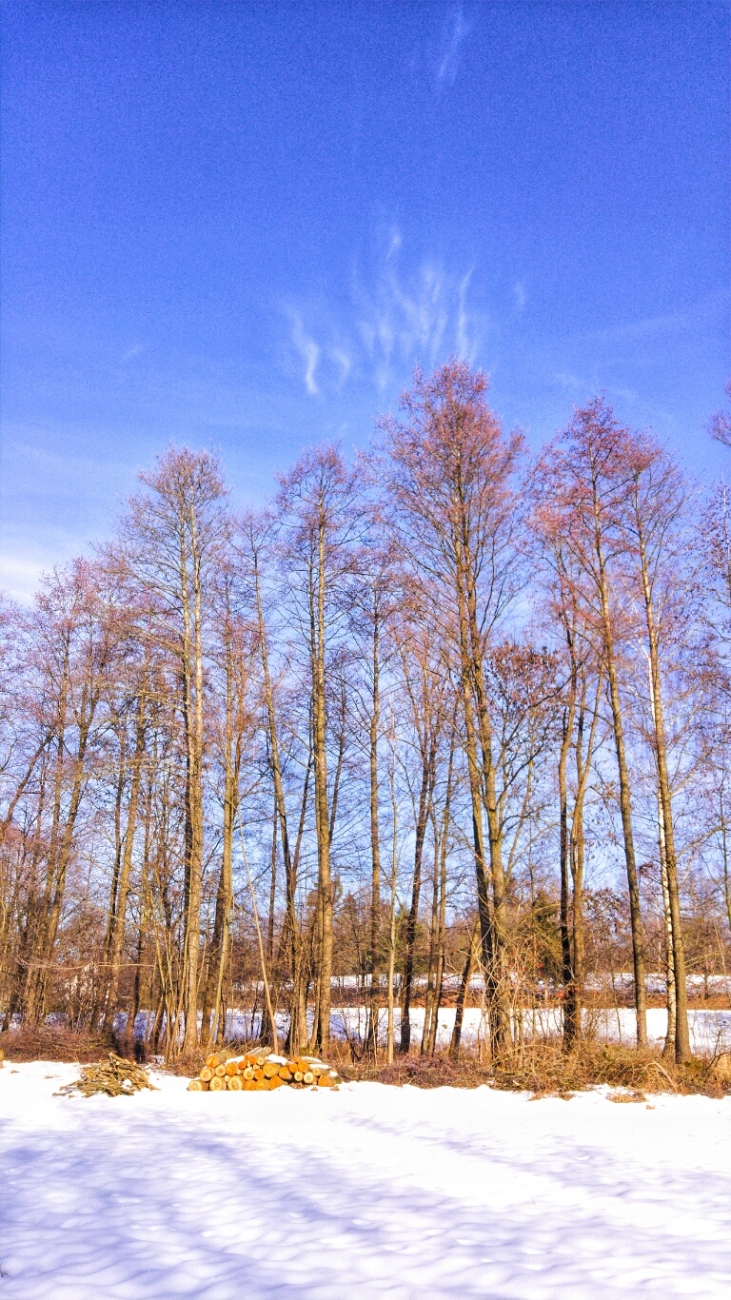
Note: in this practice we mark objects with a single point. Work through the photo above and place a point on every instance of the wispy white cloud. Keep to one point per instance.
(520, 297)
(391, 319)
(701, 311)
(456, 30)
(130, 353)
(343, 359)
(19, 578)
(572, 383)
(395, 243)
(582, 388)
(309, 351)
(419, 316)
(466, 340)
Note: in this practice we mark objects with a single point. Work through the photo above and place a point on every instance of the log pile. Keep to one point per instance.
(262, 1072)
(115, 1077)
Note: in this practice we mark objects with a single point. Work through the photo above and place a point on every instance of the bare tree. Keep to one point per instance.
(322, 511)
(172, 540)
(587, 476)
(451, 477)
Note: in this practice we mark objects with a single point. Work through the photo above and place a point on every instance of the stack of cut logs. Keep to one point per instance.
(262, 1072)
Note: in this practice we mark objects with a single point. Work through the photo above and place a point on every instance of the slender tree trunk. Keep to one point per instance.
(670, 994)
(390, 1034)
(425, 796)
(375, 917)
(321, 1029)
(464, 984)
(57, 874)
(433, 940)
(192, 667)
(120, 911)
(441, 920)
(638, 943)
(300, 975)
(297, 1011)
(625, 802)
(438, 916)
(484, 899)
(682, 1035)
(567, 964)
(272, 893)
(493, 915)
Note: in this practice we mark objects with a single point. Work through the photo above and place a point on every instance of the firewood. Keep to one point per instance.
(116, 1077)
(212, 1062)
(263, 1072)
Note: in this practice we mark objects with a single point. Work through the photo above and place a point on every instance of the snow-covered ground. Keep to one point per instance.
(366, 1192)
(710, 1031)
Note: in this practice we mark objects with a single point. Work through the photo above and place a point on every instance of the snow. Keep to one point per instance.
(369, 1191)
(710, 1031)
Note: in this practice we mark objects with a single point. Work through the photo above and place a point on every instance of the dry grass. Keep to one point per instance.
(544, 1069)
(51, 1044)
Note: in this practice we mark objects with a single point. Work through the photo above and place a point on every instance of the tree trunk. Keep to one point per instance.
(625, 802)
(120, 911)
(321, 1030)
(425, 795)
(493, 915)
(464, 984)
(682, 1035)
(375, 917)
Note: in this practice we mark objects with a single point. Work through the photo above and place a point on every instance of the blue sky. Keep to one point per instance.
(239, 225)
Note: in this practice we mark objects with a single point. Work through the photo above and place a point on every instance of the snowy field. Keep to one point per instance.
(710, 1031)
(366, 1192)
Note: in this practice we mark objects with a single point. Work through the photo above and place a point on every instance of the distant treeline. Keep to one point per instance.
(448, 710)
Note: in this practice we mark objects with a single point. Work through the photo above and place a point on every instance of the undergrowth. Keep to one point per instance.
(542, 1068)
(53, 1044)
